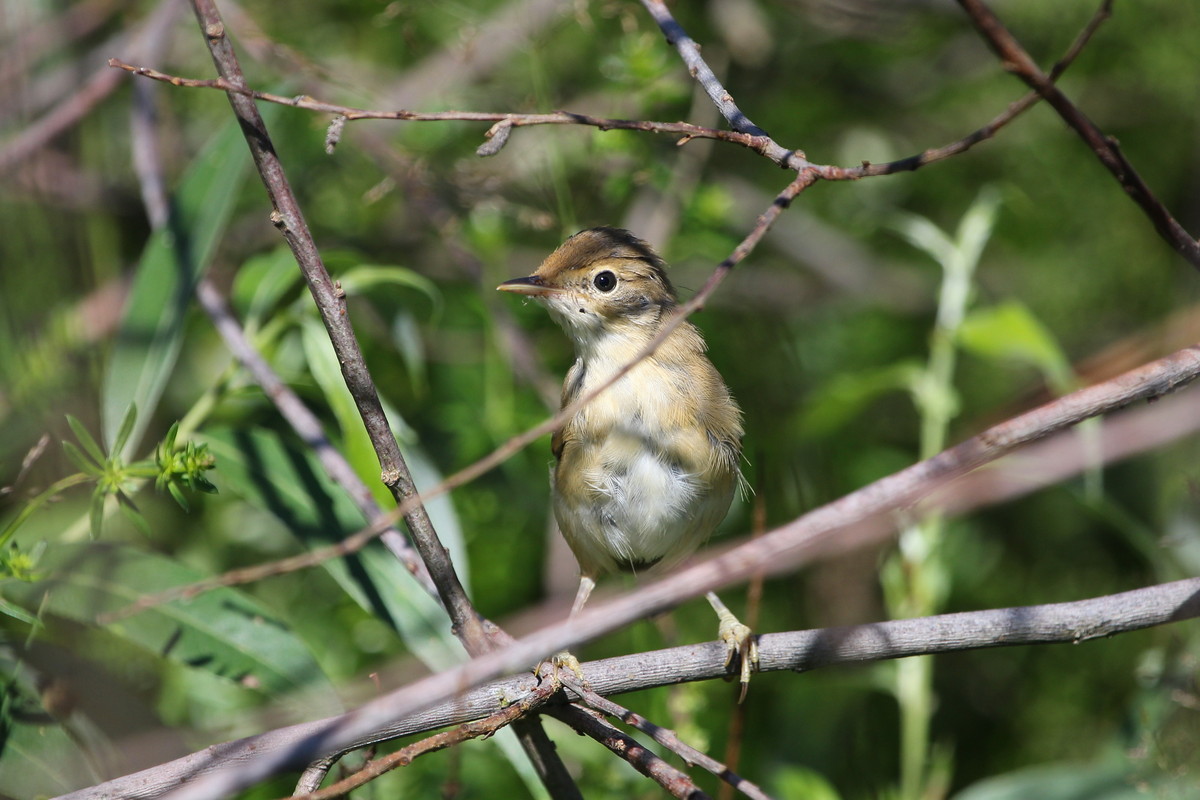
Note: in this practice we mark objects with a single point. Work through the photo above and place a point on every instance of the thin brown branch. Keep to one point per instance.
(307, 427)
(1015, 109)
(675, 781)
(670, 740)
(689, 51)
(1101, 15)
(406, 755)
(289, 218)
(1016, 60)
(149, 40)
(801, 651)
(503, 121)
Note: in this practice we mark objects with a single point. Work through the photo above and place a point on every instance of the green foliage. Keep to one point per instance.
(175, 257)
(1010, 332)
(851, 352)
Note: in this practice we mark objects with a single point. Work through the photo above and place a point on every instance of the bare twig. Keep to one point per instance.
(1008, 115)
(503, 121)
(1017, 61)
(485, 727)
(1071, 622)
(289, 218)
(689, 51)
(149, 40)
(307, 427)
(670, 740)
(675, 781)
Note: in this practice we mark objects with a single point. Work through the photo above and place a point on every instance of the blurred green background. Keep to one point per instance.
(828, 335)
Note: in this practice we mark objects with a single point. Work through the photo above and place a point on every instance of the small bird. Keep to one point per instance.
(646, 470)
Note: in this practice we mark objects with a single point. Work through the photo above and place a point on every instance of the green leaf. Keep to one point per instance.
(77, 458)
(802, 782)
(85, 439)
(366, 277)
(274, 472)
(133, 513)
(16, 612)
(924, 235)
(1058, 782)
(177, 493)
(1010, 332)
(222, 632)
(126, 428)
(96, 512)
(151, 331)
(844, 397)
(261, 283)
(38, 757)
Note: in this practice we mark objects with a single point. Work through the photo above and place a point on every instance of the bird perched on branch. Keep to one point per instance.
(645, 471)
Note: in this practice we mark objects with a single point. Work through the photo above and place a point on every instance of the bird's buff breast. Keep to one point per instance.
(637, 484)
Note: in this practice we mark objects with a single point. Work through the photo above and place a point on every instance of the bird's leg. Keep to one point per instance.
(739, 641)
(586, 584)
(564, 659)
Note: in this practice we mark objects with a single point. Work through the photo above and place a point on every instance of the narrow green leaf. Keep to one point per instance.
(1010, 332)
(151, 331)
(366, 277)
(85, 439)
(262, 282)
(16, 612)
(81, 461)
(924, 235)
(273, 472)
(168, 442)
(133, 513)
(126, 428)
(223, 632)
(96, 512)
(844, 397)
(177, 493)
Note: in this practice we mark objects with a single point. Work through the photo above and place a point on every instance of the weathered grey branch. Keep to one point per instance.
(1072, 622)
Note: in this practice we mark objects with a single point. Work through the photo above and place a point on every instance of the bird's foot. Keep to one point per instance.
(741, 646)
(553, 667)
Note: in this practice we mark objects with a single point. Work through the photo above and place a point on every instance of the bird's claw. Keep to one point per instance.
(740, 643)
(741, 647)
(556, 664)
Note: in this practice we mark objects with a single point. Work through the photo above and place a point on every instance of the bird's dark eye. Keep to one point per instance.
(605, 281)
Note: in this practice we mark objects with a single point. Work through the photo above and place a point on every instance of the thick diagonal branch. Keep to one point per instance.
(1017, 61)
(1070, 622)
(289, 218)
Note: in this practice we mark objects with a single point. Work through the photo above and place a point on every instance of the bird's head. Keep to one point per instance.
(601, 282)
